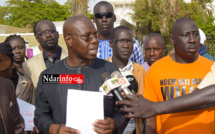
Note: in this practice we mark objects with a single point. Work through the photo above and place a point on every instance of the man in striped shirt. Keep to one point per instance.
(104, 19)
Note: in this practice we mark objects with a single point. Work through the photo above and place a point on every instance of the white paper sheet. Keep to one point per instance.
(27, 112)
(83, 108)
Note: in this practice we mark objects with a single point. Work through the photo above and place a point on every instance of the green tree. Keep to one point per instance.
(25, 13)
(159, 16)
(2, 14)
(204, 4)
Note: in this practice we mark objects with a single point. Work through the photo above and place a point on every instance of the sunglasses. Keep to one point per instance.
(107, 15)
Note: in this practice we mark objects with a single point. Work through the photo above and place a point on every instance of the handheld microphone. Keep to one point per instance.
(109, 83)
(133, 84)
(134, 88)
(112, 85)
(123, 80)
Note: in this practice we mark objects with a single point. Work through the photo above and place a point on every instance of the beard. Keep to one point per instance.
(49, 47)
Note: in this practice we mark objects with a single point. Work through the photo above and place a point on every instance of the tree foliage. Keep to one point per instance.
(25, 13)
(159, 16)
(2, 14)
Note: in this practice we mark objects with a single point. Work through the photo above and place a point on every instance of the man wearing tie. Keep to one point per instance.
(47, 36)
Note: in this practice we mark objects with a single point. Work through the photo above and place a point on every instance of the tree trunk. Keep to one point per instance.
(79, 7)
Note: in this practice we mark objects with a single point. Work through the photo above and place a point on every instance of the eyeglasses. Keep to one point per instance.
(107, 15)
(86, 38)
(122, 42)
(44, 32)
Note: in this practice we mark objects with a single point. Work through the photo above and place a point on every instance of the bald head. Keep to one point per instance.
(41, 22)
(71, 24)
(178, 22)
(46, 35)
(81, 38)
(157, 37)
(154, 47)
(186, 40)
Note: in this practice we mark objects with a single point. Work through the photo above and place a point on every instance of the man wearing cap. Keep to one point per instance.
(203, 49)
(11, 122)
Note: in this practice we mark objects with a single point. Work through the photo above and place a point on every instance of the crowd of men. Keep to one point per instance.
(168, 98)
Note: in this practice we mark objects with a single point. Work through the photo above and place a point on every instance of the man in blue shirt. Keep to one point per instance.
(104, 18)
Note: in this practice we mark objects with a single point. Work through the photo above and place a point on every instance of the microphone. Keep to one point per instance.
(133, 84)
(112, 85)
(134, 88)
(123, 80)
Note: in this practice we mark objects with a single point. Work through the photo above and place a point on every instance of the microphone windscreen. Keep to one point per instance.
(105, 76)
(116, 74)
(133, 84)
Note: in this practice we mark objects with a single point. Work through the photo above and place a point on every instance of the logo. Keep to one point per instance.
(104, 87)
(130, 79)
(63, 79)
(114, 81)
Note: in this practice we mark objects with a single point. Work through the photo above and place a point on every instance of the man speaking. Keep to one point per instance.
(82, 42)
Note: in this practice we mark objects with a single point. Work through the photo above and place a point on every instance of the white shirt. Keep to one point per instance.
(127, 70)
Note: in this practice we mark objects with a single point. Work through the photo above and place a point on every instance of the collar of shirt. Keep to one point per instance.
(127, 70)
(100, 41)
(57, 54)
(146, 65)
(104, 49)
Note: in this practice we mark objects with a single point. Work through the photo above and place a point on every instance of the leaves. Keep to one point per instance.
(25, 13)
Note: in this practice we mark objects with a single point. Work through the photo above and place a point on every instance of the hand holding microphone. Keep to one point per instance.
(111, 85)
(129, 86)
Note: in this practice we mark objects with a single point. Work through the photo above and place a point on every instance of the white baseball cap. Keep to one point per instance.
(202, 37)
